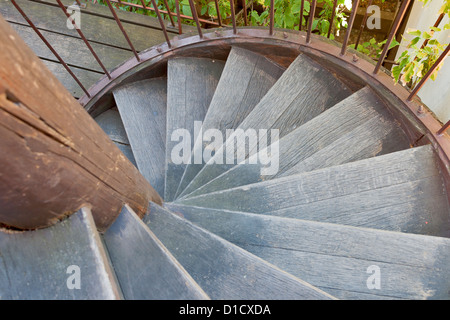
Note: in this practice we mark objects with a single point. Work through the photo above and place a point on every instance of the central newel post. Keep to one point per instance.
(54, 157)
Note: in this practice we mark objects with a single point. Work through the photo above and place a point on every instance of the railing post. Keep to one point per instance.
(363, 25)
(88, 45)
(216, 2)
(195, 16)
(302, 8)
(54, 157)
(233, 16)
(349, 26)
(444, 128)
(271, 16)
(119, 24)
(425, 78)
(333, 14)
(50, 47)
(312, 11)
(161, 23)
(395, 26)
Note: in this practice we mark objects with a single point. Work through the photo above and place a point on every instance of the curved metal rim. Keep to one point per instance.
(362, 67)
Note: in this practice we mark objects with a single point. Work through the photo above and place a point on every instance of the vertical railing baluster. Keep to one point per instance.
(195, 16)
(177, 8)
(84, 38)
(161, 22)
(429, 73)
(166, 4)
(444, 128)
(349, 26)
(395, 26)
(312, 11)
(333, 14)
(233, 16)
(363, 24)
(244, 8)
(436, 24)
(272, 15)
(49, 46)
(123, 30)
(218, 12)
(302, 7)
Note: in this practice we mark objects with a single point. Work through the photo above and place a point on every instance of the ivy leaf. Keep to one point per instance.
(413, 42)
(186, 10)
(289, 20)
(426, 35)
(416, 33)
(396, 71)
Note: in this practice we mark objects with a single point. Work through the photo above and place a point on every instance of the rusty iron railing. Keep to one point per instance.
(313, 4)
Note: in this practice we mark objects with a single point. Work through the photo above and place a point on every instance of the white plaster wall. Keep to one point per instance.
(435, 94)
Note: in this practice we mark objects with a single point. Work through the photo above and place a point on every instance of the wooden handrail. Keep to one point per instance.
(54, 158)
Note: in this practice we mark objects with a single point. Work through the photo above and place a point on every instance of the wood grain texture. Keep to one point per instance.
(191, 83)
(86, 77)
(111, 123)
(144, 268)
(67, 47)
(356, 128)
(56, 159)
(303, 92)
(143, 106)
(99, 27)
(391, 192)
(223, 270)
(35, 264)
(246, 78)
(337, 257)
(97, 23)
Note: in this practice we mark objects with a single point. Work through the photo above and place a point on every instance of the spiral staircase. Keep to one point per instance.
(357, 209)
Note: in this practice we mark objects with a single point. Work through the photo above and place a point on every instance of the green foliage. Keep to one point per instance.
(373, 48)
(287, 15)
(412, 64)
(415, 62)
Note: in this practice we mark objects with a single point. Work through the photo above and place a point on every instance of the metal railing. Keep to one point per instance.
(393, 31)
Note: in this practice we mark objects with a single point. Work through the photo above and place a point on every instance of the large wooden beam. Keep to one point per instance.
(54, 158)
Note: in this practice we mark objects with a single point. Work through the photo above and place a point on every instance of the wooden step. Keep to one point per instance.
(142, 106)
(66, 261)
(303, 92)
(144, 267)
(400, 191)
(245, 80)
(356, 128)
(337, 258)
(223, 270)
(112, 124)
(191, 83)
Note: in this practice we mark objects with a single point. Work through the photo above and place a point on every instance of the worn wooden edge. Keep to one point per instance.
(38, 270)
(282, 48)
(58, 158)
(129, 235)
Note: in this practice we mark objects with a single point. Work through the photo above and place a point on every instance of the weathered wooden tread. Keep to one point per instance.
(400, 191)
(356, 128)
(223, 270)
(191, 83)
(112, 124)
(144, 268)
(303, 91)
(66, 261)
(337, 258)
(142, 106)
(246, 78)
